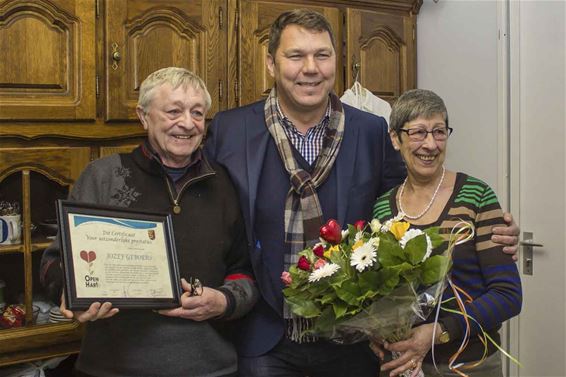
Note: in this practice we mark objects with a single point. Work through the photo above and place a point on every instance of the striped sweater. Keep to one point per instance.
(480, 267)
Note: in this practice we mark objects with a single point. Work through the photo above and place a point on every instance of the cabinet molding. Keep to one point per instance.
(47, 70)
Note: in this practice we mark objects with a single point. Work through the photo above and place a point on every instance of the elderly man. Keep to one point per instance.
(298, 159)
(168, 173)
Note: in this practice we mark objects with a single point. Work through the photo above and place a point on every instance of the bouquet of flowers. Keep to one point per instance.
(371, 280)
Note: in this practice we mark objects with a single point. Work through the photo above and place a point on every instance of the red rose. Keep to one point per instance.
(318, 250)
(331, 232)
(304, 264)
(360, 224)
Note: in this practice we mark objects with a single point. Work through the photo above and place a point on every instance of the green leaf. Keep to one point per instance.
(339, 308)
(303, 308)
(389, 252)
(368, 282)
(435, 238)
(387, 280)
(349, 292)
(434, 269)
(328, 298)
(325, 322)
(415, 249)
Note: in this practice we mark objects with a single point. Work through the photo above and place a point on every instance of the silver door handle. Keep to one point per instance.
(530, 243)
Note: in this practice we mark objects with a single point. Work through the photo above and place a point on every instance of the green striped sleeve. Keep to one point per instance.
(382, 208)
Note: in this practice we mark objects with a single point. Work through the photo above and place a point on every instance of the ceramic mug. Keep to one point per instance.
(10, 229)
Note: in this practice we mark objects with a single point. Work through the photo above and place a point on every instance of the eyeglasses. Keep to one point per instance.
(420, 134)
(196, 287)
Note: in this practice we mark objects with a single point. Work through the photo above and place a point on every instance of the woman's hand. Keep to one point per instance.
(377, 348)
(95, 312)
(413, 350)
(209, 304)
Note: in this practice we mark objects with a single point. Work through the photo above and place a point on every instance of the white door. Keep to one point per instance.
(538, 190)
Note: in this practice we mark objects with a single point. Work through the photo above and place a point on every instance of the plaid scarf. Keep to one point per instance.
(303, 214)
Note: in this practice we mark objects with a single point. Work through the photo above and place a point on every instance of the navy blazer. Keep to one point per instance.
(366, 166)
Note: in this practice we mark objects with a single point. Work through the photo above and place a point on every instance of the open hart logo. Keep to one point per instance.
(89, 257)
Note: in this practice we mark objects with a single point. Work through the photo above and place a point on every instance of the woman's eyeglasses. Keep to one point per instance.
(420, 134)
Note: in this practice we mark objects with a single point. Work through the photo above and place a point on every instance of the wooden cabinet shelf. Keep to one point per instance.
(39, 342)
(36, 245)
(10, 249)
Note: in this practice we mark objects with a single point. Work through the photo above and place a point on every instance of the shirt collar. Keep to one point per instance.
(289, 124)
(148, 151)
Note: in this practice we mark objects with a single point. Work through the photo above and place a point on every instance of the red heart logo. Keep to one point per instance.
(331, 232)
(88, 257)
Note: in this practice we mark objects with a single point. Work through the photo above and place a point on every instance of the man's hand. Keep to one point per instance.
(507, 236)
(211, 303)
(95, 311)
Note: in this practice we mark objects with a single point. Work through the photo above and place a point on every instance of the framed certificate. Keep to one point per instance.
(118, 255)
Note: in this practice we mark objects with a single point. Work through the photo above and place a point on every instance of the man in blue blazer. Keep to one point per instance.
(301, 138)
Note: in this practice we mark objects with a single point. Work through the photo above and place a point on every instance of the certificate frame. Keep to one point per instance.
(137, 260)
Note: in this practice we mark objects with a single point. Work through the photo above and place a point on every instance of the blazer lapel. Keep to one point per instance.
(345, 163)
(257, 138)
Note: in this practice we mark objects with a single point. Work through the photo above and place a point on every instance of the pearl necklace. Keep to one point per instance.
(429, 203)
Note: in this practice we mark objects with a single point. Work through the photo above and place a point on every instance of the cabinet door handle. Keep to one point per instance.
(116, 56)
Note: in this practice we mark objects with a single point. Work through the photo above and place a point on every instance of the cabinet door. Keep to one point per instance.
(256, 18)
(381, 49)
(143, 36)
(48, 59)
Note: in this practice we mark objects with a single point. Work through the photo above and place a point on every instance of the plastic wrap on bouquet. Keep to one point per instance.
(389, 318)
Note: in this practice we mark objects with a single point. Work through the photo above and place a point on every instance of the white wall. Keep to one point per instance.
(457, 59)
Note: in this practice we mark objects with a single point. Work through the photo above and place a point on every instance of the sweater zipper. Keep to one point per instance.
(175, 199)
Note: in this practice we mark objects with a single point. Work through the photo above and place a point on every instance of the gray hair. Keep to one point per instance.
(306, 18)
(416, 103)
(175, 77)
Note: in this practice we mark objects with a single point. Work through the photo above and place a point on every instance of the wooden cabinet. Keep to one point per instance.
(143, 36)
(381, 51)
(35, 178)
(69, 82)
(48, 56)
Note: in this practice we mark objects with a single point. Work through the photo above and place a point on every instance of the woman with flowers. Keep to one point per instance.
(487, 278)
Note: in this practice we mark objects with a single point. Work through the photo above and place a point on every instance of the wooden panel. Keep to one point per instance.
(384, 47)
(151, 35)
(47, 69)
(108, 150)
(61, 164)
(256, 19)
(38, 336)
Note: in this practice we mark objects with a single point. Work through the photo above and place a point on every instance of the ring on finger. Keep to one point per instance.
(413, 364)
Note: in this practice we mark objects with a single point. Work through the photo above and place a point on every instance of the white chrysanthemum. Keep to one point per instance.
(323, 272)
(399, 217)
(412, 233)
(375, 225)
(358, 236)
(375, 242)
(386, 226)
(363, 257)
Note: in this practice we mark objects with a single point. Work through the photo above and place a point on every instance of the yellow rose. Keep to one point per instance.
(398, 228)
(357, 244)
(330, 250)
